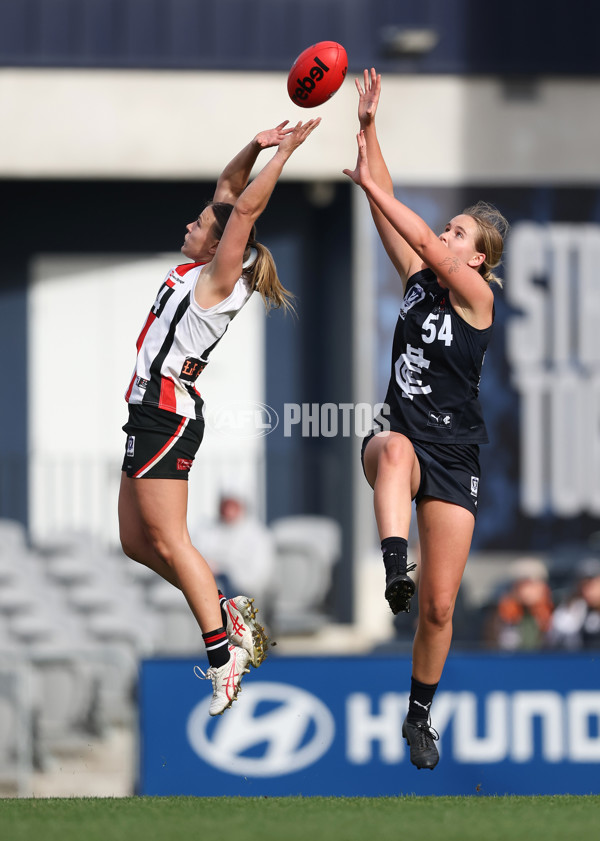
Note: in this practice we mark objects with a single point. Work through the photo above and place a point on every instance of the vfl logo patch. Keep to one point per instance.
(130, 445)
(141, 382)
(443, 420)
(474, 485)
(184, 463)
(415, 294)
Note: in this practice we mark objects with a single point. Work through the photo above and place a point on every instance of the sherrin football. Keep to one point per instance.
(317, 74)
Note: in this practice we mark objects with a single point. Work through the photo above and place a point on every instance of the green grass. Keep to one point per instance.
(302, 819)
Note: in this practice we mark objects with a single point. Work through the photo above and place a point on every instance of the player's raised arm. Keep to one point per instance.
(220, 276)
(403, 257)
(452, 255)
(234, 178)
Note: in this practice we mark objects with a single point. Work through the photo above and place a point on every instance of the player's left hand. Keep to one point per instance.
(273, 136)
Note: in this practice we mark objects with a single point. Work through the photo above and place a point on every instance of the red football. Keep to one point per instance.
(317, 74)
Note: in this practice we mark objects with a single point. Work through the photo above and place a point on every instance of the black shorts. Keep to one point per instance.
(449, 472)
(160, 444)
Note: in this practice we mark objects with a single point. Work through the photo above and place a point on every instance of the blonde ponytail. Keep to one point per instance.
(492, 229)
(262, 274)
(258, 264)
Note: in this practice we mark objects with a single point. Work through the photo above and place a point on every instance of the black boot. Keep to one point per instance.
(399, 590)
(421, 738)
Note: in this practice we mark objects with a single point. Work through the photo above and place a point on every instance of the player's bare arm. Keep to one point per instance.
(234, 178)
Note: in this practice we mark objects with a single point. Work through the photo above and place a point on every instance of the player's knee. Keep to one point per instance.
(397, 452)
(438, 612)
(163, 548)
(170, 547)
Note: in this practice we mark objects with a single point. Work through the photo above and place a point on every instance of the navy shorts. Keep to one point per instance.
(449, 472)
(160, 444)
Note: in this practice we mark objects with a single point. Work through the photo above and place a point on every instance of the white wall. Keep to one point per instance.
(168, 124)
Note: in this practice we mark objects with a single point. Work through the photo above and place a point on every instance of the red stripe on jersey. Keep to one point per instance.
(167, 399)
(149, 321)
(163, 450)
(170, 283)
(186, 267)
(140, 341)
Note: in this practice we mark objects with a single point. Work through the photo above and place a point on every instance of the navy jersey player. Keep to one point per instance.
(191, 313)
(425, 444)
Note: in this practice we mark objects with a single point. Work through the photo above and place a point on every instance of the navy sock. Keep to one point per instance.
(217, 647)
(421, 697)
(395, 551)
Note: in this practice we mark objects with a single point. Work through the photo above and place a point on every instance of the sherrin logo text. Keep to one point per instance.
(308, 83)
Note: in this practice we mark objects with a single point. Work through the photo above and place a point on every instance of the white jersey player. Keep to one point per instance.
(191, 313)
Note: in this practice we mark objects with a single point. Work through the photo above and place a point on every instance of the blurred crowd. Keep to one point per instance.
(536, 611)
(536, 603)
(240, 550)
(534, 607)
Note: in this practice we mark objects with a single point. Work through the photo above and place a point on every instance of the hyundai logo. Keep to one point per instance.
(274, 729)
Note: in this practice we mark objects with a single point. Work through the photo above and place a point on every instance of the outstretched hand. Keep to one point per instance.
(361, 173)
(368, 96)
(273, 136)
(297, 135)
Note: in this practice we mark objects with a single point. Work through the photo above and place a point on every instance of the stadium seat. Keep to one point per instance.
(16, 754)
(307, 548)
(177, 630)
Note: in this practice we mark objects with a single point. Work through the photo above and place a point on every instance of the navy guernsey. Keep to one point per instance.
(436, 368)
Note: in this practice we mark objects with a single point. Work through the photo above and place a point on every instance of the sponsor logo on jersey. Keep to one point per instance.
(130, 445)
(415, 294)
(184, 463)
(191, 369)
(141, 382)
(442, 420)
(179, 272)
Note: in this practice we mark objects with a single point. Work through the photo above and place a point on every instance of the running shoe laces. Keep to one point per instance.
(226, 679)
(421, 738)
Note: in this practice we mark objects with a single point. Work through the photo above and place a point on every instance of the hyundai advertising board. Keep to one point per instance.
(332, 726)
